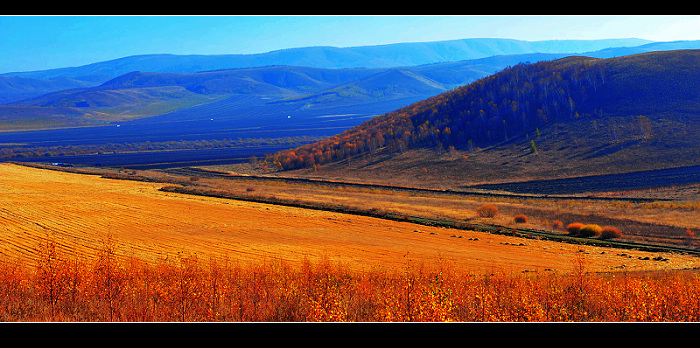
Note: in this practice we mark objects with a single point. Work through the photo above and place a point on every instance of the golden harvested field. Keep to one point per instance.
(82, 212)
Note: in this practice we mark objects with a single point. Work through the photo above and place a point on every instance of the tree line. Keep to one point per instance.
(19, 151)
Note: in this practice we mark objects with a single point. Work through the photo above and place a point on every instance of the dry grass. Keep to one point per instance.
(659, 222)
(187, 289)
(81, 212)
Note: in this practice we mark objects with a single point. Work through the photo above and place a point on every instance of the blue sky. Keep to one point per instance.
(46, 42)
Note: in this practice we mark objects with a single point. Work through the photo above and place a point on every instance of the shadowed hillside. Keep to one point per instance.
(567, 117)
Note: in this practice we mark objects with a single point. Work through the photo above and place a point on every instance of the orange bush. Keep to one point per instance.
(574, 228)
(487, 210)
(520, 218)
(610, 232)
(557, 224)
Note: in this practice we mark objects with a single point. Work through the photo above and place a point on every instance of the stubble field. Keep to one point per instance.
(81, 213)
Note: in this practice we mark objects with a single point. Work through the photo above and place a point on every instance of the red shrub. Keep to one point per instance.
(557, 224)
(610, 232)
(520, 218)
(574, 228)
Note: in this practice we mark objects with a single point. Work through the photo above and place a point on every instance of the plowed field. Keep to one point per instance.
(82, 212)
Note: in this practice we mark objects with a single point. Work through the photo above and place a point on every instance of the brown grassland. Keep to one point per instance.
(77, 247)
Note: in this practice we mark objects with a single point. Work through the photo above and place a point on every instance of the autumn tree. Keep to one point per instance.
(50, 278)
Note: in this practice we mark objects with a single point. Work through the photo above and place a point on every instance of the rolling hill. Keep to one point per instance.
(144, 94)
(572, 116)
(137, 95)
(301, 79)
(18, 88)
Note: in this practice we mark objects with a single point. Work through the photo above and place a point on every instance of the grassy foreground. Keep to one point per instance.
(183, 258)
(107, 289)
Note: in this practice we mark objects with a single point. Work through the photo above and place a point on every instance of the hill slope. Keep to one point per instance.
(568, 117)
(137, 95)
(145, 94)
(17, 88)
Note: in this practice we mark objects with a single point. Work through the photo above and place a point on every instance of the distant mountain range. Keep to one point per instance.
(302, 78)
(383, 56)
(380, 56)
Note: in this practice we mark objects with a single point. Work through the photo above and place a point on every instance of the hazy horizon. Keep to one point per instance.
(33, 43)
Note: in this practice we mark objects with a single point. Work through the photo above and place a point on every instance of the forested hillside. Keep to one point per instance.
(642, 92)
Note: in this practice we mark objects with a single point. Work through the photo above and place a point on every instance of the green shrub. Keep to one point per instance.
(590, 230)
